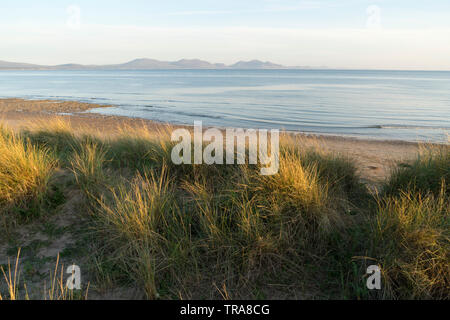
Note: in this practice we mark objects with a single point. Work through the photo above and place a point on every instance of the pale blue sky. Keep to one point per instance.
(341, 33)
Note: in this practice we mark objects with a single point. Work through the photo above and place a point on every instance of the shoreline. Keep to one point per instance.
(113, 185)
(74, 108)
(374, 158)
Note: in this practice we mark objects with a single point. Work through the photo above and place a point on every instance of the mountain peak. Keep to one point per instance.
(146, 64)
(256, 64)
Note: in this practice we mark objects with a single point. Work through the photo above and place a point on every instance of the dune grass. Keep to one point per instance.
(173, 225)
(411, 238)
(209, 231)
(412, 227)
(426, 174)
(25, 171)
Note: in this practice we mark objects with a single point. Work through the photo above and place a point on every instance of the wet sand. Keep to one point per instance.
(374, 158)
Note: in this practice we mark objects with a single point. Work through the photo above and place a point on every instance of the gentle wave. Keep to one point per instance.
(410, 127)
(371, 104)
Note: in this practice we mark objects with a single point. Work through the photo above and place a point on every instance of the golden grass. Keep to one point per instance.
(12, 279)
(182, 229)
(412, 235)
(427, 173)
(87, 166)
(140, 215)
(25, 170)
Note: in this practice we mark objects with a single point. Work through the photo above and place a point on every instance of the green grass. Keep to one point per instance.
(424, 175)
(411, 231)
(218, 231)
(176, 227)
(25, 172)
(411, 239)
(407, 233)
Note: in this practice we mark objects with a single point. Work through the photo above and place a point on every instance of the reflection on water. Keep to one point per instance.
(402, 105)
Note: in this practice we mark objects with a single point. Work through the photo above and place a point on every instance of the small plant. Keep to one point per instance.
(58, 287)
(12, 279)
(59, 290)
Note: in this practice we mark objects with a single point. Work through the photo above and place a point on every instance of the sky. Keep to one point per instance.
(356, 34)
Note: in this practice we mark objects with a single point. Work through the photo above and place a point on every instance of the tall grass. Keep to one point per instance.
(408, 234)
(411, 239)
(411, 231)
(146, 229)
(56, 135)
(183, 231)
(25, 170)
(87, 166)
(140, 148)
(206, 224)
(172, 227)
(426, 174)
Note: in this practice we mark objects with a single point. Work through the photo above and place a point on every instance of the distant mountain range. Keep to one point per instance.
(149, 64)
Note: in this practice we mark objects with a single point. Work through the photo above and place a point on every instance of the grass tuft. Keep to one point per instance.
(428, 173)
(25, 171)
(411, 237)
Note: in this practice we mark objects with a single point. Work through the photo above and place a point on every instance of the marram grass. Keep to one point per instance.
(185, 231)
(25, 170)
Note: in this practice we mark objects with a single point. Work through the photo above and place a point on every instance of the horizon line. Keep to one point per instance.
(226, 66)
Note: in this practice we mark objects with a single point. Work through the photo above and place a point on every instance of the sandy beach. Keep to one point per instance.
(224, 153)
(61, 227)
(374, 158)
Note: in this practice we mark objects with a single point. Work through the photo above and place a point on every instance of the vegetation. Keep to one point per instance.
(25, 171)
(216, 231)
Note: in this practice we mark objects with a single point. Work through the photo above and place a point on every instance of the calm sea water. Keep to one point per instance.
(403, 105)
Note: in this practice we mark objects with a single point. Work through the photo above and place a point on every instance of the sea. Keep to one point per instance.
(383, 105)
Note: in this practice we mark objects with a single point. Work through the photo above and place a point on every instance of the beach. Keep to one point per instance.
(374, 158)
(224, 153)
(104, 193)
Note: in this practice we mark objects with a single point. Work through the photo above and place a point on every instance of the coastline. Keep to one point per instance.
(109, 181)
(375, 158)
